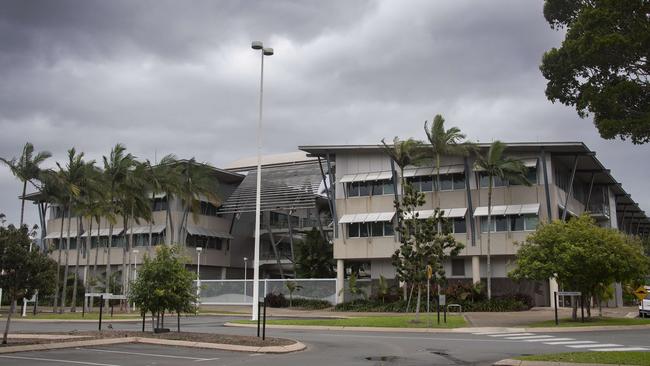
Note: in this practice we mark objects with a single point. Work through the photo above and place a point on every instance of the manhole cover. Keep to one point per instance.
(382, 358)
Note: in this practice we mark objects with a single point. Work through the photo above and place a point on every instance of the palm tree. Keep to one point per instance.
(404, 153)
(162, 178)
(116, 168)
(26, 169)
(196, 182)
(71, 178)
(495, 165)
(445, 143)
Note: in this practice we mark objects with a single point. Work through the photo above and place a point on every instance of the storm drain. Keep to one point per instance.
(382, 358)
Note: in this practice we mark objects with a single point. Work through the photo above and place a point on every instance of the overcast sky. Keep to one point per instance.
(180, 77)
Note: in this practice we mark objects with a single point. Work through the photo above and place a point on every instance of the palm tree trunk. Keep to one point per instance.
(107, 287)
(89, 244)
(124, 268)
(401, 197)
(22, 204)
(170, 230)
(417, 306)
(76, 266)
(293, 256)
(489, 230)
(11, 311)
(153, 202)
(58, 268)
(130, 258)
(67, 260)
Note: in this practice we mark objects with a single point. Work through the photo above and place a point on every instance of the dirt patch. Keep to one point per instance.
(182, 336)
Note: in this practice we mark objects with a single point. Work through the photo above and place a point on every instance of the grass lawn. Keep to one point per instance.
(567, 322)
(76, 316)
(402, 321)
(620, 358)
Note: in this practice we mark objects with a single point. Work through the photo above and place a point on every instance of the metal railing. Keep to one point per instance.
(240, 292)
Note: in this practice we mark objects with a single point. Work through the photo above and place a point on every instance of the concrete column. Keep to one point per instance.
(552, 287)
(223, 273)
(340, 277)
(476, 269)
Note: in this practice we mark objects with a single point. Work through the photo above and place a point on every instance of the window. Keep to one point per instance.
(459, 225)
(458, 267)
(531, 222)
(459, 180)
(498, 223)
(159, 204)
(426, 184)
(370, 229)
(496, 181)
(531, 176)
(353, 230)
(374, 188)
(517, 223)
(446, 182)
(208, 209)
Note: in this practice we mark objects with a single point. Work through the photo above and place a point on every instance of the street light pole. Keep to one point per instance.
(257, 45)
(135, 268)
(245, 276)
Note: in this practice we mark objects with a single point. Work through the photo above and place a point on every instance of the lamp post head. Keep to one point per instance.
(257, 45)
(135, 251)
(268, 51)
(199, 249)
(245, 259)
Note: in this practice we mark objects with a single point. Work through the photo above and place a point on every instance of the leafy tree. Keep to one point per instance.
(495, 165)
(164, 284)
(383, 289)
(421, 244)
(26, 168)
(602, 66)
(24, 271)
(314, 256)
(292, 287)
(581, 255)
(353, 287)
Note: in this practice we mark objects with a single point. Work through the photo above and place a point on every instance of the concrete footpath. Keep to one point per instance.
(511, 362)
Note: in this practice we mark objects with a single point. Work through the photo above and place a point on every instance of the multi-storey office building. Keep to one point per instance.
(566, 178)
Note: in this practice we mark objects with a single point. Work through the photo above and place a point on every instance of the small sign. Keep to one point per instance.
(641, 293)
(429, 272)
(442, 299)
(569, 293)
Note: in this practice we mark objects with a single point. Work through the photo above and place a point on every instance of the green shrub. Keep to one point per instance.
(311, 304)
(495, 305)
(276, 300)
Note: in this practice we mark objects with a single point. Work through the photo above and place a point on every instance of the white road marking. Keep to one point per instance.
(511, 334)
(596, 345)
(569, 342)
(547, 339)
(619, 349)
(57, 360)
(147, 354)
(207, 359)
(530, 337)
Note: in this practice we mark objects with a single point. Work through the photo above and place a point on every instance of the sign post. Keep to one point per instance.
(569, 293)
(555, 301)
(429, 274)
(641, 294)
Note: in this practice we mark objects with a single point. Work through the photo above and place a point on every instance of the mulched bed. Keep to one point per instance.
(182, 336)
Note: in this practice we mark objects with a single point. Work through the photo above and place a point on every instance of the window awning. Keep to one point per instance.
(527, 162)
(447, 213)
(367, 217)
(156, 229)
(201, 231)
(104, 232)
(57, 234)
(364, 177)
(431, 171)
(532, 208)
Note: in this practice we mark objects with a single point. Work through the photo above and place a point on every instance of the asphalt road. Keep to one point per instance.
(331, 347)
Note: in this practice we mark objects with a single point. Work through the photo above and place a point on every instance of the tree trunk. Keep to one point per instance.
(489, 230)
(170, 230)
(8, 323)
(76, 266)
(178, 321)
(417, 306)
(107, 284)
(130, 262)
(22, 204)
(67, 261)
(124, 268)
(293, 256)
(153, 203)
(57, 283)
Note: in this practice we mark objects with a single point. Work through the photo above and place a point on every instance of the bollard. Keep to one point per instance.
(259, 319)
(557, 322)
(264, 322)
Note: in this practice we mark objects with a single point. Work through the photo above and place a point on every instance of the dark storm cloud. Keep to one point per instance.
(179, 77)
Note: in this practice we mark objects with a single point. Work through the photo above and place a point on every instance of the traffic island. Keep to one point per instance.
(37, 342)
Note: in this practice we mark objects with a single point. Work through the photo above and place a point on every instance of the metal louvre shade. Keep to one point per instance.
(364, 177)
(360, 177)
(367, 217)
(530, 162)
(531, 208)
(430, 171)
(104, 232)
(347, 178)
(57, 234)
(156, 229)
(201, 231)
(447, 212)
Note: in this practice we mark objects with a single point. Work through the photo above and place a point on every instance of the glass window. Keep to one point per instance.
(364, 190)
(460, 225)
(377, 228)
(353, 189)
(458, 267)
(389, 188)
(377, 188)
(353, 230)
(484, 224)
(415, 182)
(363, 230)
(501, 223)
(446, 182)
(388, 228)
(459, 181)
(531, 222)
(531, 175)
(426, 184)
(516, 223)
(483, 179)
